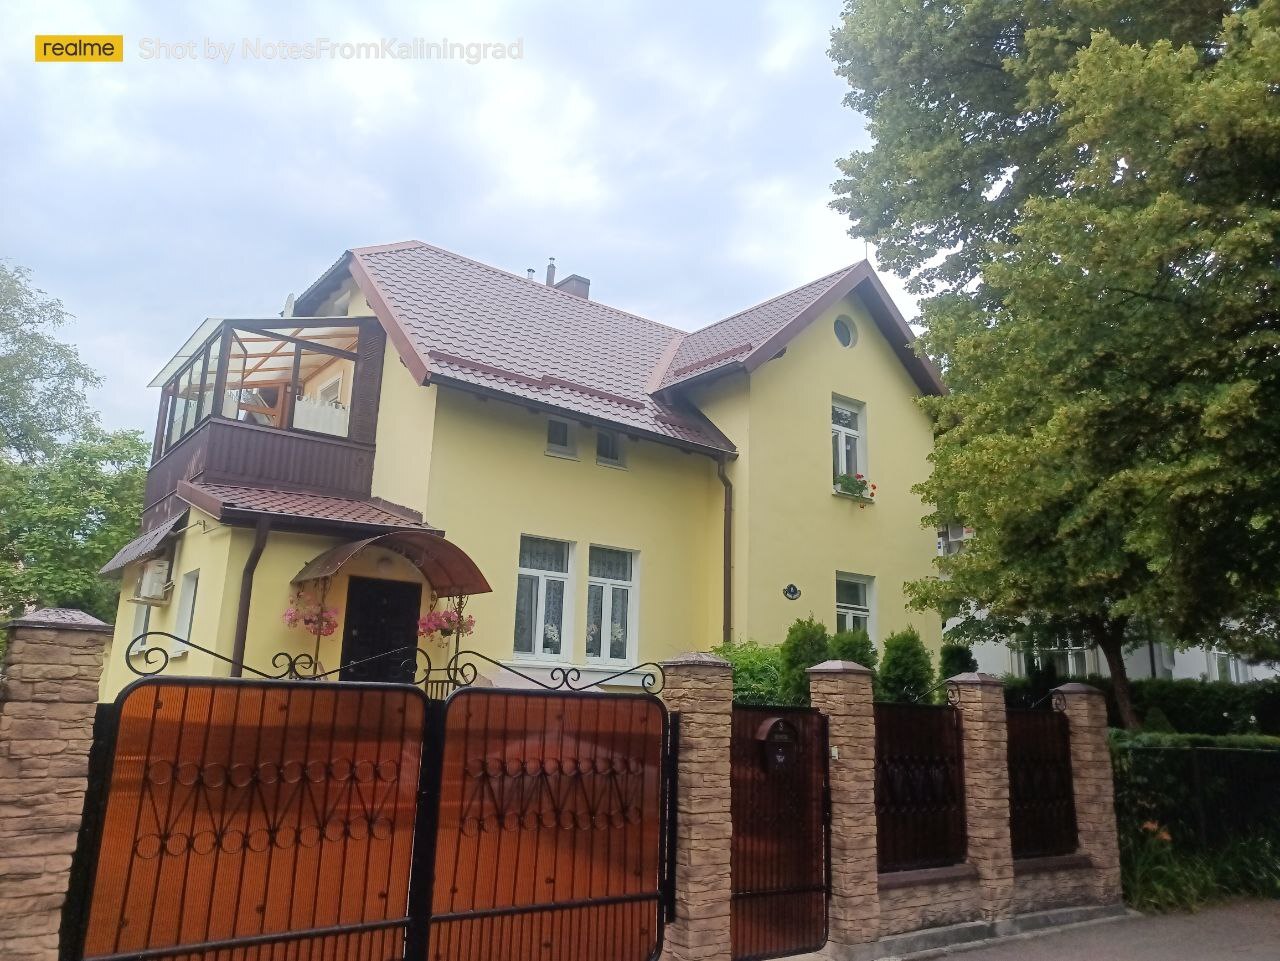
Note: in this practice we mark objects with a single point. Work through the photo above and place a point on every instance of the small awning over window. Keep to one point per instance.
(445, 565)
(144, 546)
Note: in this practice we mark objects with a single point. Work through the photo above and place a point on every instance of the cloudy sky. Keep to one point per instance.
(679, 155)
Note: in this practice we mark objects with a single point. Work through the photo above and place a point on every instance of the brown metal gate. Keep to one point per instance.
(251, 820)
(310, 821)
(780, 855)
(550, 839)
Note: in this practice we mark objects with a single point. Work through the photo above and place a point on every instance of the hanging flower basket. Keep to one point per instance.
(306, 611)
(439, 625)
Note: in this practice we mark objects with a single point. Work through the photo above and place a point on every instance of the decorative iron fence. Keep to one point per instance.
(920, 816)
(1204, 797)
(1042, 806)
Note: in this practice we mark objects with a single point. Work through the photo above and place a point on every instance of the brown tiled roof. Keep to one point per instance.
(143, 546)
(458, 320)
(221, 500)
(478, 325)
(736, 336)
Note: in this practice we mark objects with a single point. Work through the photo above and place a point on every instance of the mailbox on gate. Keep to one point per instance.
(779, 740)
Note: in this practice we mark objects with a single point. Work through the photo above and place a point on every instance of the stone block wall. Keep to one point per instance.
(48, 697)
(990, 888)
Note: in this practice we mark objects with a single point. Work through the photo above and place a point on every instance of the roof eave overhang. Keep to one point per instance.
(710, 450)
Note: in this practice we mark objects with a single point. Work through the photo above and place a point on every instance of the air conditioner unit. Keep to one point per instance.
(955, 532)
(154, 584)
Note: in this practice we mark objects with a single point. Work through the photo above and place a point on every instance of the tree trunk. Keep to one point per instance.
(1109, 636)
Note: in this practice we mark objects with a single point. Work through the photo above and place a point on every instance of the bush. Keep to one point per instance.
(1190, 706)
(906, 672)
(807, 644)
(854, 646)
(757, 672)
(956, 659)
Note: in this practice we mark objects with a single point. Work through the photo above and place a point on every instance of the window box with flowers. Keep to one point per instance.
(856, 486)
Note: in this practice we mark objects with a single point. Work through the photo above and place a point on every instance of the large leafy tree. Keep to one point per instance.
(1089, 193)
(63, 516)
(42, 380)
(70, 493)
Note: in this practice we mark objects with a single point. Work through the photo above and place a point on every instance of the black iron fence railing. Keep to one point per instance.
(1200, 797)
(920, 816)
(1042, 807)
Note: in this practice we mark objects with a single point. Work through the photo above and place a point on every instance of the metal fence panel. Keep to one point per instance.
(780, 856)
(1205, 797)
(920, 815)
(550, 834)
(254, 820)
(1042, 806)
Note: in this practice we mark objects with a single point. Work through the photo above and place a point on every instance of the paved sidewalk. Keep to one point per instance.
(1245, 931)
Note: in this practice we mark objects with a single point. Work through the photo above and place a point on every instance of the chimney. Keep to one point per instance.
(577, 285)
(551, 271)
(529, 271)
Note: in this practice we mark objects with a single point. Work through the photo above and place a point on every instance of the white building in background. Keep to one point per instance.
(1150, 660)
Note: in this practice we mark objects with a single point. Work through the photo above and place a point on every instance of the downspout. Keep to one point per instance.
(246, 594)
(727, 619)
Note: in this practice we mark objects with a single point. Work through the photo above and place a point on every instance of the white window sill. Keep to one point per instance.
(861, 498)
(562, 454)
(610, 464)
(541, 670)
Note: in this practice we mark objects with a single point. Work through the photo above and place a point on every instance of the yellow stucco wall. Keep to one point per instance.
(406, 431)
(496, 482)
(798, 531)
(217, 552)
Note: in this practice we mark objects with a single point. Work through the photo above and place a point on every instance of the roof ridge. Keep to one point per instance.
(833, 276)
(420, 244)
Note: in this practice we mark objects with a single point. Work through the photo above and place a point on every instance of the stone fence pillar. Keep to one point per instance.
(48, 698)
(842, 691)
(980, 700)
(700, 687)
(1091, 776)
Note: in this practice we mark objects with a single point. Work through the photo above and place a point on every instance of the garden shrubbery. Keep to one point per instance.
(1196, 825)
(764, 674)
(1188, 706)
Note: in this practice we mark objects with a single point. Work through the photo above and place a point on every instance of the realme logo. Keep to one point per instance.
(82, 48)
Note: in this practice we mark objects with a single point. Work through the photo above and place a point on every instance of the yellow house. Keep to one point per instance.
(424, 433)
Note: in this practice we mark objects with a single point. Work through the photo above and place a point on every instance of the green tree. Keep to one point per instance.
(807, 644)
(63, 515)
(906, 672)
(955, 659)
(854, 646)
(1089, 193)
(42, 380)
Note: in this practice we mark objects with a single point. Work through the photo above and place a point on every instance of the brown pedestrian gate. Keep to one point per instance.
(312, 821)
(780, 858)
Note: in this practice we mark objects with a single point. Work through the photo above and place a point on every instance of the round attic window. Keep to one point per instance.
(846, 331)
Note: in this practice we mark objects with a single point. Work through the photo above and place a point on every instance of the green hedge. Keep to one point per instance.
(1191, 706)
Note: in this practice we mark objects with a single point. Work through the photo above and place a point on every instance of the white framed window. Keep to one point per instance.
(542, 585)
(560, 438)
(854, 603)
(1224, 666)
(848, 439)
(609, 448)
(611, 605)
(1068, 657)
(331, 393)
(185, 620)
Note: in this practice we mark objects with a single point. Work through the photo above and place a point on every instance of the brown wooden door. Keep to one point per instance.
(381, 616)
